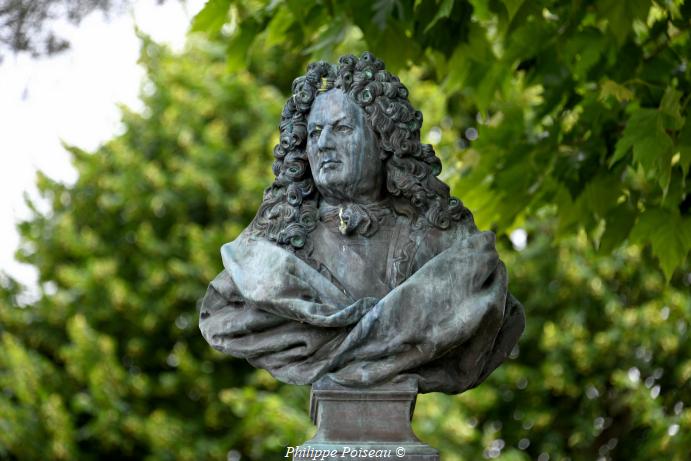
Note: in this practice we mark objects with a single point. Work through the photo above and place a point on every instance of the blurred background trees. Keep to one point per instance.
(29, 26)
(562, 124)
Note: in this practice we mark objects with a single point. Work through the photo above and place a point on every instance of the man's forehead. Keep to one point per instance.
(331, 107)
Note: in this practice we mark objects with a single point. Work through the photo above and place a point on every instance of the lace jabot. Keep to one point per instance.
(363, 218)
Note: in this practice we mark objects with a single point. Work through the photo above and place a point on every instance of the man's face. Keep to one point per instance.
(342, 150)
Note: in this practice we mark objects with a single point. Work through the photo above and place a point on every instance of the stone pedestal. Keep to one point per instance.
(364, 423)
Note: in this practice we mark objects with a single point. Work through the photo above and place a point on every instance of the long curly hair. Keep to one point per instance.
(290, 207)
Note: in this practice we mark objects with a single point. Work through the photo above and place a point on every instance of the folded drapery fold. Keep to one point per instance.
(450, 323)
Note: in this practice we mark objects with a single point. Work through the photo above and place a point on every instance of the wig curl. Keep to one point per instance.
(290, 207)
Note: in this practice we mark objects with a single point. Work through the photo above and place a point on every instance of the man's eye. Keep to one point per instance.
(345, 129)
(314, 134)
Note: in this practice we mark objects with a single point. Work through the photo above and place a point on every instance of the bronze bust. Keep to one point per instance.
(359, 265)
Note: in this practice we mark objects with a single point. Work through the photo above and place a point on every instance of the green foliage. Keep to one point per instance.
(109, 362)
(602, 371)
(212, 17)
(567, 119)
(565, 99)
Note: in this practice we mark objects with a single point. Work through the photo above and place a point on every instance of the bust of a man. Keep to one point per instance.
(359, 265)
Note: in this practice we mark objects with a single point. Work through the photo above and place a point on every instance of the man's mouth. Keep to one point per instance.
(328, 163)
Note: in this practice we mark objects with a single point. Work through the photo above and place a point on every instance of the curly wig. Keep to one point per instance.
(289, 210)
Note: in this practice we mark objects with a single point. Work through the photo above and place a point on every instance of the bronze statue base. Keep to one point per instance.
(370, 423)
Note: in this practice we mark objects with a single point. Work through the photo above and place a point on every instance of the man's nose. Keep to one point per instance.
(326, 141)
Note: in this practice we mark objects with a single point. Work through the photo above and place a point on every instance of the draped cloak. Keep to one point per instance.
(436, 306)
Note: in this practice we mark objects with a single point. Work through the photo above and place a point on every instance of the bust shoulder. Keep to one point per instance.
(433, 240)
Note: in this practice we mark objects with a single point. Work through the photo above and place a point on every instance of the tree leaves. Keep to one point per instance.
(383, 9)
(443, 12)
(116, 367)
(239, 44)
(652, 146)
(670, 107)
(512, 7)
(542, 121)
(684, 146)
(669, 235)
(211, 17)
(281, 21)
(620, 16)
(618, 224)
(597, 81)
(609, 88)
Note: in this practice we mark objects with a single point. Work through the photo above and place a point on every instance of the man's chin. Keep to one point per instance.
(331, 180)
(332, 186)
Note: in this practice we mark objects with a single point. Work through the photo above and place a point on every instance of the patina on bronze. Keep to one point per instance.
(359, 268)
